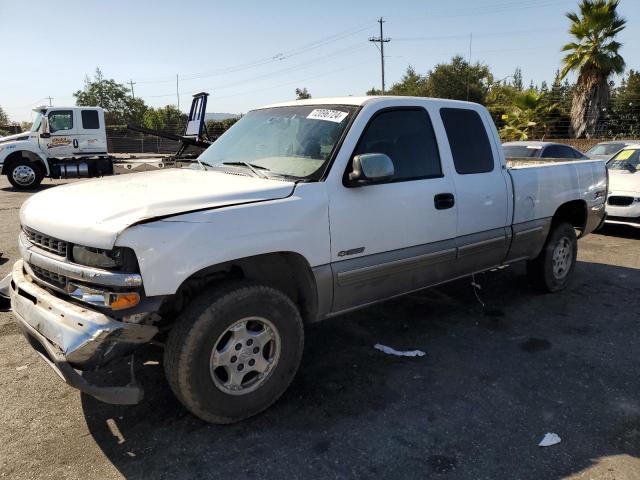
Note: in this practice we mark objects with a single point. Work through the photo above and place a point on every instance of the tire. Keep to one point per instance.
(202, 349)
(553, 268)
(25, 174)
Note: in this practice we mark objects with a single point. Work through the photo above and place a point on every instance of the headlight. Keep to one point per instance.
(96, 257)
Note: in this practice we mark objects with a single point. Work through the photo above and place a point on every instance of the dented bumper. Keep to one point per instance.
(71, 337)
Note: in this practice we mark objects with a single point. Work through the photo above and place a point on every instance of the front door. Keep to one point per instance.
(397, 236)
(62, 141)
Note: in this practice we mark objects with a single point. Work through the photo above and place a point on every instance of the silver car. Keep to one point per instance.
(606, 150)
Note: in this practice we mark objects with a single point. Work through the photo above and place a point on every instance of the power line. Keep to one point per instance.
(381, 40)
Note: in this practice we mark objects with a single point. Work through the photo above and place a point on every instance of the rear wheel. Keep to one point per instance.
(551, 270)
(24, 174)
(234, 352)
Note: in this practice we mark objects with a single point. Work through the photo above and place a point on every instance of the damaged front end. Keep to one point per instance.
(70, 322)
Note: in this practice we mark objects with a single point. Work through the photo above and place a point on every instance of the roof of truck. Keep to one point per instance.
(356, 101)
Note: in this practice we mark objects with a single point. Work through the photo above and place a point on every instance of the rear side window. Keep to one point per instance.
(407, 137)
(468, 140)
(90, 120)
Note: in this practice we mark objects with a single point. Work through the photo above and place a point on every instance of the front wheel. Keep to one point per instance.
(233, 352)
(552, 269)
(24, 174)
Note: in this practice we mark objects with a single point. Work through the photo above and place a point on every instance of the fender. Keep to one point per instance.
(9, 148)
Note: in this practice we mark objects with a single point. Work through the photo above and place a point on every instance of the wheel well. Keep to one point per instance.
(574, 213)
(17, 156)
(286, 271)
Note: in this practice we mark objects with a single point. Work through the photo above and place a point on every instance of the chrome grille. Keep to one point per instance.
(45, 242)
(49, 277)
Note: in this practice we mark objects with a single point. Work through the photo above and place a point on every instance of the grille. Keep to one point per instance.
(49, 277)
(50, 244)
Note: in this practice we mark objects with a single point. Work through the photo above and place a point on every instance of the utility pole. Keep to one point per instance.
(381, 40)
(50, 98)
(177, 91)
(132, 83)
(469, 71)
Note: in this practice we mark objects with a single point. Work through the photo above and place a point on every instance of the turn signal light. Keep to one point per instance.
(119, 301)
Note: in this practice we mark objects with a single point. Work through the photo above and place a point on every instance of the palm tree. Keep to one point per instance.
(595, 56)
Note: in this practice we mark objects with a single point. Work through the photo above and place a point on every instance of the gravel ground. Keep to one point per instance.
(493, 382)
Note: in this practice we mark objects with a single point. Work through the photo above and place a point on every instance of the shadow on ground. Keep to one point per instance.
(493, 382)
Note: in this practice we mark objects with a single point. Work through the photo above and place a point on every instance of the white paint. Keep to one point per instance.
(399, 353)
(549, 440)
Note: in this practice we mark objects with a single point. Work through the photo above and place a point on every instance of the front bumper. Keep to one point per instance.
(629, 214)
(71, 337)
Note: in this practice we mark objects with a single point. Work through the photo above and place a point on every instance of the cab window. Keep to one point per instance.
(406, 136)
(60, 120)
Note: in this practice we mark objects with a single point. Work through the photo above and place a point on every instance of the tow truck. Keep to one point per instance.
(71, 142)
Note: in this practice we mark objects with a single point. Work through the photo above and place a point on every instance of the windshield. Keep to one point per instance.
(293, 141)
(35, 126)
(605, 149)
(520, 151)
(625, 160)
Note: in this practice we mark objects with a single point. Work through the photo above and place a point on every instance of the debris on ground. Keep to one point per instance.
(549, 439)
(22, 367)
(393, 351)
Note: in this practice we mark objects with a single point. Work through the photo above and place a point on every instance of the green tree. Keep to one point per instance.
(624, 117)
(517, 80)
(595, 56)
(120, 107)
(411, 84)
(458, 80)
(167, 119)
(215, 128)
(302, 94)
(4, 122)
(531, 115)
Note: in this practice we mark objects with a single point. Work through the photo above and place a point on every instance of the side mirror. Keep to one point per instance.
(371, 168)
(44, 128)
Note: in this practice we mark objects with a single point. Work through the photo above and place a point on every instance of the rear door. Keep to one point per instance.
(396, 236)
(91, 131)
(482, 194)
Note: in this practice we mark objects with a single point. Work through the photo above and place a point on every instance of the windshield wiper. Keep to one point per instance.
(252, 166)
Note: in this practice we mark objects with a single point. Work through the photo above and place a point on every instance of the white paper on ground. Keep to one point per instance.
(393, 351)
(549, 440)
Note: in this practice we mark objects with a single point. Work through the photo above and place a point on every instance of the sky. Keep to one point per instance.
(250, 53)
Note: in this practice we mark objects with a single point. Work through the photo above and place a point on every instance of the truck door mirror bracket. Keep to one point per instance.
(370, 168)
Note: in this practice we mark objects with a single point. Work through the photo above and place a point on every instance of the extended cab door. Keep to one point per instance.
(392, 237)
(483, 192)
(92, 137)
(61, 140)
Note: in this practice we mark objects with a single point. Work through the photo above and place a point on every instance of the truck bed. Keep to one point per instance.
(539, 186)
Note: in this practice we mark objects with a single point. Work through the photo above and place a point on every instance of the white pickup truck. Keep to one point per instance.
(301, 211)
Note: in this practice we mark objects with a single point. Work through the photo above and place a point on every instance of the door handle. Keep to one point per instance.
(442, 201)
(75, 143)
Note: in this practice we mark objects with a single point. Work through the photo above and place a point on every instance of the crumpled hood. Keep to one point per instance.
(623, 181)
(94, 212)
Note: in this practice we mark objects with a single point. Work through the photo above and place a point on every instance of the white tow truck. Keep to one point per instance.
(301, 211)
(71, 142)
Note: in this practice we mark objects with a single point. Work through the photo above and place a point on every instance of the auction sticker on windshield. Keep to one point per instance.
(329, 115)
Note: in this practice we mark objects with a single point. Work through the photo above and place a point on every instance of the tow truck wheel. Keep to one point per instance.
(24, 174)
(233, 352)
(551, 270)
